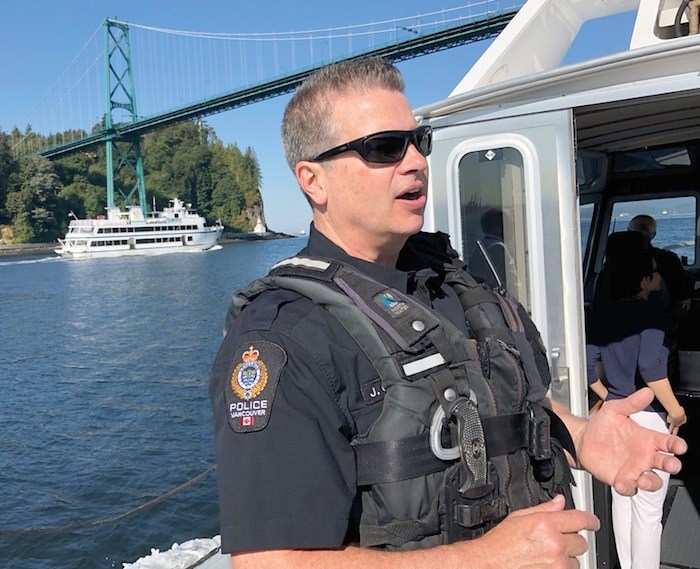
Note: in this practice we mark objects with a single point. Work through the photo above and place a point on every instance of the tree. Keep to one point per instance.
(8, 166)
(33, 204)
(186, 161)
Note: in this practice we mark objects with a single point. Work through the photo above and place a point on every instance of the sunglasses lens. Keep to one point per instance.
(384, 148)
(387, 148)
(424, 138)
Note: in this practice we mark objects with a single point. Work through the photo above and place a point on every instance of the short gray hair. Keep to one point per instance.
(644, 224)
(307, 126)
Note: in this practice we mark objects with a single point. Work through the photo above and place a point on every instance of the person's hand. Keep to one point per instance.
(543, 536)
(621, 453)
(676, 420)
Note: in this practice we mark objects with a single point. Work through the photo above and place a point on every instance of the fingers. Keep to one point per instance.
(575, 545)
(567, 521)
(649, 481)
(671, 443)
(668, 463)
(574, 521)
(556, 504)
(633, 403)
(675, 424)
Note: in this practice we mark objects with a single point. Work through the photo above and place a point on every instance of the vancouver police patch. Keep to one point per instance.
(252, 385)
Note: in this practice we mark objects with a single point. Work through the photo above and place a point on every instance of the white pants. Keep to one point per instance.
(637, 519)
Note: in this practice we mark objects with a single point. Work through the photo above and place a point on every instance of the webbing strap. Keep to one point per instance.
(402, 318)
(561, 433)
(474, 514)
(390, 461)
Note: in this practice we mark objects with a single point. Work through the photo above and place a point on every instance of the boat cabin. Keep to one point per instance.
(568, 155)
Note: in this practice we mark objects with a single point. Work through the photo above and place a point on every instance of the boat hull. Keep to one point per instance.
(176, 229)
(87, 249)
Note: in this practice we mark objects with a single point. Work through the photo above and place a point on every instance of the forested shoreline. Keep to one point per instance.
(186, 161)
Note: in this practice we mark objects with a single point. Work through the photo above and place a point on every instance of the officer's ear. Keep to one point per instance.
(311, 178)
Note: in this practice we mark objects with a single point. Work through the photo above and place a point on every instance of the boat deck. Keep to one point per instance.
(680, 543)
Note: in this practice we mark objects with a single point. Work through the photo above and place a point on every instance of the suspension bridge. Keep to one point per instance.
(129, 79)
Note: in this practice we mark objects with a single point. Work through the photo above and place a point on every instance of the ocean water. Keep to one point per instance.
(104, 406)
(676, 232)
(673, 232)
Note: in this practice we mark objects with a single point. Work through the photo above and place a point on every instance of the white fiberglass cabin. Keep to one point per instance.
(570, 154)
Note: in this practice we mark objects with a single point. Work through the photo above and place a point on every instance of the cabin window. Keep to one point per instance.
(649, 159)
(492, 198)
(675, 223)
(586, 212)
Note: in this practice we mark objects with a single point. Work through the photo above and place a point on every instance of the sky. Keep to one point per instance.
(41, 37)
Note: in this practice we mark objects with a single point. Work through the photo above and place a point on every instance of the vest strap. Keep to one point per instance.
(390, 461)
(476, 514)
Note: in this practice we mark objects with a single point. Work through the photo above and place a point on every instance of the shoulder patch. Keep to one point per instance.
(251, 387)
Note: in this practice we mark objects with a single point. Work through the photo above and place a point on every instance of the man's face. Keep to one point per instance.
(373, 207)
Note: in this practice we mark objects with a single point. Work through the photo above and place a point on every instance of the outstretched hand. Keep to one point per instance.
(621, 453)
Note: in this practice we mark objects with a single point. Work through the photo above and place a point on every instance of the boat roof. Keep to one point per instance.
(505, 82)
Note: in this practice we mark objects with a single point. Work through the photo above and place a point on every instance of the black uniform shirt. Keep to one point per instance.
(286, 473)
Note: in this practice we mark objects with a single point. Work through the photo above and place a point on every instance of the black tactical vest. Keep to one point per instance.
(462, 438)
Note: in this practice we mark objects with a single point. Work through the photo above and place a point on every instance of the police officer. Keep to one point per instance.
(291, 389)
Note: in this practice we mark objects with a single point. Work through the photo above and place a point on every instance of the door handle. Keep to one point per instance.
(554, 357)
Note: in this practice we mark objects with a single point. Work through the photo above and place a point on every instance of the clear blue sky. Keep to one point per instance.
(41, 37)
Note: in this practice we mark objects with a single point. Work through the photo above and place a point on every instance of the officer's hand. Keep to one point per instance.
(623, 454)
(544, 536)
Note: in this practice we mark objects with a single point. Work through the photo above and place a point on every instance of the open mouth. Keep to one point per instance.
(411, 195)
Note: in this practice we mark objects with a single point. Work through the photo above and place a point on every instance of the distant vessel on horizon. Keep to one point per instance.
(177, 228)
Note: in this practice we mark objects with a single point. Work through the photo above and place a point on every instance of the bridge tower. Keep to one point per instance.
(120, 94)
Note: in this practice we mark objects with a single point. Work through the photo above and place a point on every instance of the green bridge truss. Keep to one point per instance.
(120, 94)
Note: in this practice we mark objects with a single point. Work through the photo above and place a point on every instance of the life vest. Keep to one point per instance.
(462, 438)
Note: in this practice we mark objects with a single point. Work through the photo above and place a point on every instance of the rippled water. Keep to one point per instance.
(104, 404)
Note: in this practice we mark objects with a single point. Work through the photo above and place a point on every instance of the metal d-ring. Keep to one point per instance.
(436, 425)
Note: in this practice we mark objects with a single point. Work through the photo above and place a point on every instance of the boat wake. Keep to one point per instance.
(179, 556)
(30, 261)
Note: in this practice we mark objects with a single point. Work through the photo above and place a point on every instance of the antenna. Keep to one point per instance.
(499, 283)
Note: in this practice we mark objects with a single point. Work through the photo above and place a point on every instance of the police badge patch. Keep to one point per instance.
(389, 302)
(252, 385)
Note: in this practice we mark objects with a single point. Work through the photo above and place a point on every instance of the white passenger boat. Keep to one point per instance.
(177, 228)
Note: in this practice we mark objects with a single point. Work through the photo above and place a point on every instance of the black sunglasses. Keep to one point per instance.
(385, 147)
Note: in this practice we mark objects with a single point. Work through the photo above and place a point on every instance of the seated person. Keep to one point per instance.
(677, 285)
(617, 249)
(676, 288)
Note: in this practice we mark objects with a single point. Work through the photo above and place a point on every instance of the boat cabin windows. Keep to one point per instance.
(142, 228)
(493, 220)
(675, 223)
(586, 213)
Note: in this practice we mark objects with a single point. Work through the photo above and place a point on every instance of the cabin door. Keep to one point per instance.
(509, 184)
